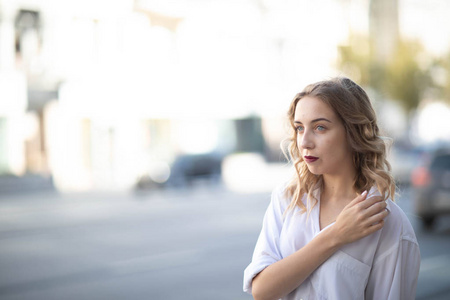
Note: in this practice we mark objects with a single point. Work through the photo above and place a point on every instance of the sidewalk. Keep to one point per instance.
(11, 184)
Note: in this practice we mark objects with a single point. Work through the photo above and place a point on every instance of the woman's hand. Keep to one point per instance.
(360, 218)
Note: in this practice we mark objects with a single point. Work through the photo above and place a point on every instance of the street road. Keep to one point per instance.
(177, 244)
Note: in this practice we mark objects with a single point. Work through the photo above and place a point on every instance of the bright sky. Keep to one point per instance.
(427, 20)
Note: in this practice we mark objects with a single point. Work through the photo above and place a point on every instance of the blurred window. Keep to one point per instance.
(441, 162)
(26, 21)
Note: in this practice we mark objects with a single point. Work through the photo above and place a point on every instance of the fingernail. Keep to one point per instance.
(364, 193)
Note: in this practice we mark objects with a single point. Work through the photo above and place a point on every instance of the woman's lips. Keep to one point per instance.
(310, 159)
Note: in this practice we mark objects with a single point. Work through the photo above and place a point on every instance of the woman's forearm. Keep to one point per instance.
(282, 277)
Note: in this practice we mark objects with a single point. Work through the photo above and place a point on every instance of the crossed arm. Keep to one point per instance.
(357, 220)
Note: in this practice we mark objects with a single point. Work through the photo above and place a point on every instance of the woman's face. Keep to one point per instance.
(321, 138)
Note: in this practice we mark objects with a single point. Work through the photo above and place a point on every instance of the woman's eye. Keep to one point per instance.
(300, 128)
(320, 128)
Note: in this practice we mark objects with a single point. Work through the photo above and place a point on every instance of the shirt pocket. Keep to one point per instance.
(341, 277)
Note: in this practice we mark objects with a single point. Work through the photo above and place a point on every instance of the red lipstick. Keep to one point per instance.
(310, 159)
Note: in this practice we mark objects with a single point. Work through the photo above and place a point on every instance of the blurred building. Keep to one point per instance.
(89, 93)
(22, 92)
(384, 28)
(97, 93)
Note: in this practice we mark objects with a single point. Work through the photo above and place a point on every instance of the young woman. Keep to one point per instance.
(333, 232)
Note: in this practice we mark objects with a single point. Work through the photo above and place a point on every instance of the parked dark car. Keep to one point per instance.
(431, 186)
(191, 167)
(184, 171)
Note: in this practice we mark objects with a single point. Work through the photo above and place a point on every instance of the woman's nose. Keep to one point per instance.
(306, 141)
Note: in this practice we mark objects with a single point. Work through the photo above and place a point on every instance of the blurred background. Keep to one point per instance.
(140, 140)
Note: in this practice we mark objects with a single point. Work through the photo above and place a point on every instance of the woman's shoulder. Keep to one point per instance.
(280, 192)
(281, 195)
(397, 221)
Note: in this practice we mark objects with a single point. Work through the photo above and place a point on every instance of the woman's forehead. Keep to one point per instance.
(310, 108)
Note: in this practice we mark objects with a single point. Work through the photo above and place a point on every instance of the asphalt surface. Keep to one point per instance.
(177, 244)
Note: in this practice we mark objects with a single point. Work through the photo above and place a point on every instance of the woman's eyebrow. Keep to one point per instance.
(316, 120)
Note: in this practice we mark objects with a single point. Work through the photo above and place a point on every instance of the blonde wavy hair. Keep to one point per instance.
(352, 105)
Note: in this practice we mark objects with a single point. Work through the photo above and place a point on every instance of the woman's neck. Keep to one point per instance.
(337, 188)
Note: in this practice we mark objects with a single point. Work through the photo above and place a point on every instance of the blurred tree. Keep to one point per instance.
(404, 77)
(355, 59)
(440, 74)
(405, 80)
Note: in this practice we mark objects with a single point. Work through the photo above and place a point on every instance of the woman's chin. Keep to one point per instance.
(314, 171)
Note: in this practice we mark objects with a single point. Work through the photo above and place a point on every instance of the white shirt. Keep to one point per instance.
(383, 265)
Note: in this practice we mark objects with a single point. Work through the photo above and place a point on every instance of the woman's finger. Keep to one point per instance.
(358, 199)
(376, 218)
(370, 201)
(375, 227)
(375, 208)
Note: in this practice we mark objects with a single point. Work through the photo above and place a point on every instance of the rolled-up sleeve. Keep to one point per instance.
(267, 250)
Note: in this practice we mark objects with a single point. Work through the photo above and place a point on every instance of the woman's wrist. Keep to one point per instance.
(332, 238)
